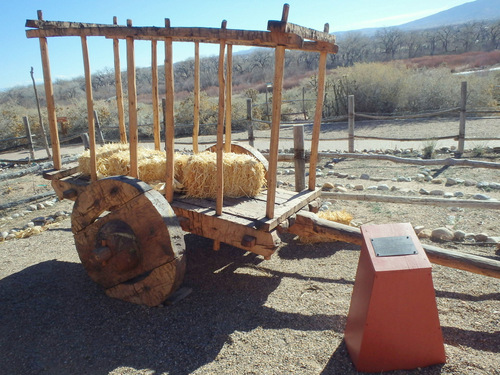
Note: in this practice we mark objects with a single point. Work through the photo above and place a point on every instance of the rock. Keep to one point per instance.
(48, 204)
(340, 189)
(365, 176)
(442, 234)
(394, 188)
(420, 177)
(423, 191)
(481, 237)
(10, 236)
(428, 178)
(351, 177)
(425, 233)
(403, 179)
(436, 192)
(383, 187)
(469, 183)
(482, 185)
(60, 213)
(448, 195)
(373, 187)
(327, 186)
(330, 173)
(459, 235)
(495, 240)
(458, 194)
(494, 185)
(359, 187)
(482, 197)
(456, 209)
(319, 174)
(3, 235)
(342, 175)
(437, 181)
(32, 207)
(15, 216)
(418, 228)
(40, 206)
(451, 182)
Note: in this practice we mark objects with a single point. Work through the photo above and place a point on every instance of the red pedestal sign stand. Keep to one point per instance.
(393, 321)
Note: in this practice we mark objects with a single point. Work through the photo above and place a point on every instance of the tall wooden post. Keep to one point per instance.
(154, 94)
(313, 162)
(279, 65)
(40, 119)
(29, 137)
(299, 157)
(98, 129)
(119, 89)
(251, 137)
(350, 116)
(229, 95)
(463, 115)
(49, 97)
(196, 99)
(132, 105)
(220, 129)
(90, 109)
(169, 116)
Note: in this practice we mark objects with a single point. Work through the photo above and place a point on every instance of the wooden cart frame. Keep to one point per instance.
(247, 223)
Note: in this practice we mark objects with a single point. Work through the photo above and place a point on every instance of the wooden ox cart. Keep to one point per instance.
(129, 236)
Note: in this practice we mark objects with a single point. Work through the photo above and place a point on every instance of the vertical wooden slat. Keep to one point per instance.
(119, 89)
(279, 65)
(299, 159)
(90, 109)
(220, 130)
(196, 99)
(132, 105)
(350, 122)
(313, 161)
(49, 97)
(169, 116)
(155, 95)
(29, 137)
(229, 93)
(463, 114)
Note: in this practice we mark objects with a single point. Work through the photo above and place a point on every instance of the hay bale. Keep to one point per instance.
(243, 175)
(342, 217)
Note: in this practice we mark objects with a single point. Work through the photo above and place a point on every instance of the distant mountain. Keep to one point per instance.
(479, 10)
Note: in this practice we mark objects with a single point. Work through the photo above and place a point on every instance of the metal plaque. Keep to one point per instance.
(393, 246)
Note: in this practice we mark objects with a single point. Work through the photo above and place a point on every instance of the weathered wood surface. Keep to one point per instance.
(281, 33)
(309, 225)
(446, 202)
(138, 242)
(169, 116)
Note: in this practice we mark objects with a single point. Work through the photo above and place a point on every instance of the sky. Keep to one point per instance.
(19, 54)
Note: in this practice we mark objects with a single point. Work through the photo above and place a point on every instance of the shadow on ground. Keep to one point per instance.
(54, 320)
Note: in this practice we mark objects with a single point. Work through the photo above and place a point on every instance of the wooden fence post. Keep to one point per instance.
(42, 127)
(463, 113)
(98, 129)
(350, 109)
(251, 137)
(29, 137)
(299, 157)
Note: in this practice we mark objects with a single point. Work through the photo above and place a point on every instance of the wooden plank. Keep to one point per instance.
(196, 99)
(154, 94)
(304, 32)
(229, 97)
(184, 34)
(49, 97)
(169, 116)
(119, 89)
(54, 174)
(313, 161)
(220, 129)
(132, 106)
(275, 129)
(90, 110)
(224, 228)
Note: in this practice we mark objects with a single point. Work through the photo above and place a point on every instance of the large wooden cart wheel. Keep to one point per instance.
(129, 240)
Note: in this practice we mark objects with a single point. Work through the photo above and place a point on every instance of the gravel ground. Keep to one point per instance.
(244, 315)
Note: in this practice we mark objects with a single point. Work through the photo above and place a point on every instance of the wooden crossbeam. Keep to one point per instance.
(272, 38)
(303, 32)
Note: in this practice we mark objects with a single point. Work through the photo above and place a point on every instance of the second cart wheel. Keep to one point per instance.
(129, 240)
